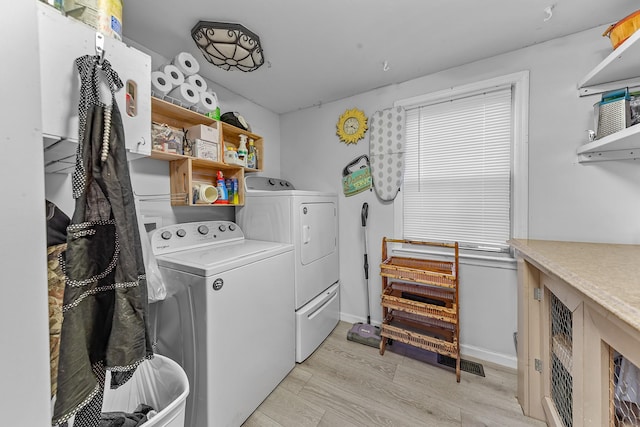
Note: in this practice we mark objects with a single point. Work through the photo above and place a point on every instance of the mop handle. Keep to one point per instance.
(364, 216)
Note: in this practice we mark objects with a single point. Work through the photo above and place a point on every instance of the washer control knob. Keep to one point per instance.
(271, 181)
(232, 227)
(203, 229)
(287, 184)
(222, 227)
(281, 183)
(166, 235)
(181, 232)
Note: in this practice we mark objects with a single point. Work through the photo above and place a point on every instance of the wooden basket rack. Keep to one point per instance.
(420, 300)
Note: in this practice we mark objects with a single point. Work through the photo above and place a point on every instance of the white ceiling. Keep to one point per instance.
(321, 51)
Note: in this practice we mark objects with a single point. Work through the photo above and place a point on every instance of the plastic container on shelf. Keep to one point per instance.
(242, 150)
(230, 156)
(230, 193)
(236, 197)
(160, 383)
(223, 196)
(103, 15)
(252, 157)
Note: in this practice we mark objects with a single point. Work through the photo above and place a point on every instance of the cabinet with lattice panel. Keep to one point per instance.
(420, 299)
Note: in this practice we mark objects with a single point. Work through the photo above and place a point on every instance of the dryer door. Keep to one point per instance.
(318, 231)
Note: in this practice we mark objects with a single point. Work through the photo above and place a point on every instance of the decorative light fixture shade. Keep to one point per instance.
(228, 46)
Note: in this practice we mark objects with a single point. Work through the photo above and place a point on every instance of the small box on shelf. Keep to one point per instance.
(209, 132)
(206, 150)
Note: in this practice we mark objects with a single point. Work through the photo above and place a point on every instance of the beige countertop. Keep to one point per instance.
(608, 274)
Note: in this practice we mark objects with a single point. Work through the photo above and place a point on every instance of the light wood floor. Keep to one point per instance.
(345, 384)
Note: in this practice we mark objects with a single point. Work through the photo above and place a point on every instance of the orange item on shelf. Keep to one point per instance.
(623, 29)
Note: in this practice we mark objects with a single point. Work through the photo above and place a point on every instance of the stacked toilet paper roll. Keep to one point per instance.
(207, 102)
(165, 79)
(180, 80)
(186, 63)
(160, 83)
(186, 94)
(197, 81)
(173, 73)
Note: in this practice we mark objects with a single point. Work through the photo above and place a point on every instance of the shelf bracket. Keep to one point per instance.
(602, 156)
(632, 84)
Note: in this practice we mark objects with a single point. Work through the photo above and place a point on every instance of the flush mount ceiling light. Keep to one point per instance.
(228, 46)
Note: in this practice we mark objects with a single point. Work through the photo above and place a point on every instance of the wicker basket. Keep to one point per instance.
(422, 341)
(439, 273)
(424, 290)
(393, 299)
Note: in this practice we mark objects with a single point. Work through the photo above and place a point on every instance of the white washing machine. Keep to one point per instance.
(274, 210)
(228, 318)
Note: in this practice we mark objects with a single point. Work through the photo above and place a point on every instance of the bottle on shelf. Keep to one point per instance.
(235, 191)
(230, 156)
(230, 193)
(252, 157)
(242, 150)
(223, 196)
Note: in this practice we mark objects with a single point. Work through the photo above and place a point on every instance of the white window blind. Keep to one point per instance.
(457, 181)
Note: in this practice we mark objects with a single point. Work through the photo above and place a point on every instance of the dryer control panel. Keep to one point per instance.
(194, 234)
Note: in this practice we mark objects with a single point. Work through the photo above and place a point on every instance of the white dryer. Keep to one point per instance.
(228, 318)
(274, 210)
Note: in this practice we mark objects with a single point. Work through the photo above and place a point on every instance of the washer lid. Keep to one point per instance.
(214, 259)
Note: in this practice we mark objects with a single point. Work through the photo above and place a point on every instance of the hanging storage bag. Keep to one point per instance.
(358, 180)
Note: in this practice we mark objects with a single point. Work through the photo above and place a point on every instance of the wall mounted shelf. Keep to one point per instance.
(186, 171)
(622, 145)
(620, 69)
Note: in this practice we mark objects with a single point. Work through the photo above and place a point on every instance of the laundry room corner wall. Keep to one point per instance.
(562, 193)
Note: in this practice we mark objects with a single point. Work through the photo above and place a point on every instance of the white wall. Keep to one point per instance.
(24, 323)
(567, 201)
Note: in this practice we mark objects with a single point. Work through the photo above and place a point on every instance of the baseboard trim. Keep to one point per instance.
(355, 319)
(483, 354)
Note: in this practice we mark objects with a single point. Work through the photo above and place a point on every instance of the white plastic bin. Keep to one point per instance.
(160, 383)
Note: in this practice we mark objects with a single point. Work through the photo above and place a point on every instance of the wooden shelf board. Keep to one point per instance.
(161, 155)
(205, 163)
(175, 115)
(621, 64)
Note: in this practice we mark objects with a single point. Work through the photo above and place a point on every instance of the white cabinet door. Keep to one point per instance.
(62, 40)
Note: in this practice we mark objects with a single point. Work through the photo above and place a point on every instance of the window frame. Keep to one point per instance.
(519, 83)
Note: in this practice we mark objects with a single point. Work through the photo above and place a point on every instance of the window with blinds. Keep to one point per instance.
(457, 179)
